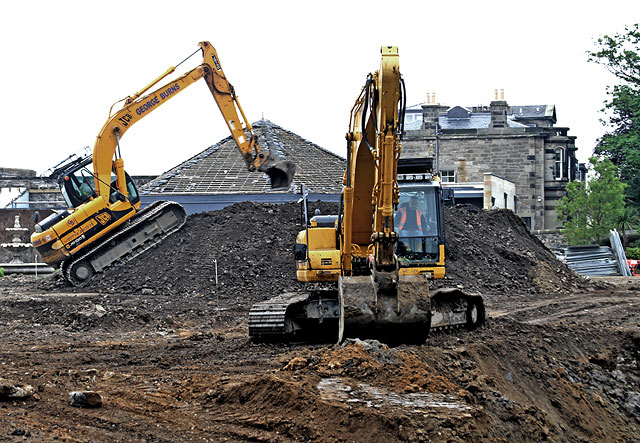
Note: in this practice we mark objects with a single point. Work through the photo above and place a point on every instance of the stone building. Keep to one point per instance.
(518, 143)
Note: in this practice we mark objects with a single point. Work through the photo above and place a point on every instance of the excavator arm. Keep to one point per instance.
(139, 106)
(371, 188)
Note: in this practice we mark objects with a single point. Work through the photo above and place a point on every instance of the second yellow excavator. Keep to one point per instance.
(368, 268)
(104, 224)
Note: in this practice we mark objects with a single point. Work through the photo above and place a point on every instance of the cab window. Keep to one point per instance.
(416, 222)
(78, 187)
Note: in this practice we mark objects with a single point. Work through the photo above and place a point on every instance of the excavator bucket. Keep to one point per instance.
(280, 172)
(401, 315)
(405, 314)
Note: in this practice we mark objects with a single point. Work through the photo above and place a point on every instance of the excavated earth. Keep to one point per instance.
(164, 341)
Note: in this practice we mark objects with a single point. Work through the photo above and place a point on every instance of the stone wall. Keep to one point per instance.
(517, 156)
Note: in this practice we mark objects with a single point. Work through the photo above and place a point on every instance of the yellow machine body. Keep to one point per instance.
(102, 200)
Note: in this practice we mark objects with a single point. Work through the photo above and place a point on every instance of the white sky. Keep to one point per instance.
(299, 64)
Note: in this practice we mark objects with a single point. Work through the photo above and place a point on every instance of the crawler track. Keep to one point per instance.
(146, 229)
(293, 317)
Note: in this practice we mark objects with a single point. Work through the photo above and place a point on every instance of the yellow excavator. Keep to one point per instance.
(368, 268)
(104, 224)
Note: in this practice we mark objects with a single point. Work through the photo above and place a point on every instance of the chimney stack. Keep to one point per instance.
(431, 113)
(499, 109)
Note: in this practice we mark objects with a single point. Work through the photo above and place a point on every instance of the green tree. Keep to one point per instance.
(588, 213)
(620, 54)
(627, 220)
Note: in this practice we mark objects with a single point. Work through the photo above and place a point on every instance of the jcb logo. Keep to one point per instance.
(103, 218)
(125, 119)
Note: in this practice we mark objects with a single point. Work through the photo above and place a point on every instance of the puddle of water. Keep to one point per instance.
(373, 397)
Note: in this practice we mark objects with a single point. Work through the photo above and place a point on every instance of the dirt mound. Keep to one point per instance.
(493, 252)
(518, 382)
(398, 368)
(251, 245)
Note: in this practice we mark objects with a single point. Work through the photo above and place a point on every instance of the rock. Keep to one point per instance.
(10, 390)
(21, 433)
(509, 377)
(85, 399)
(632, 404)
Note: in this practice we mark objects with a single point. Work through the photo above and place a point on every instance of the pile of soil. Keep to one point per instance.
(493, 252)
(248, 245)
(252, 247)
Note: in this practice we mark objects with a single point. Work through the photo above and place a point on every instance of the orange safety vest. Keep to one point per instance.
(403, 218)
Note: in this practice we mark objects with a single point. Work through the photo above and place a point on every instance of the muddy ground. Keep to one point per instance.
(167, 348)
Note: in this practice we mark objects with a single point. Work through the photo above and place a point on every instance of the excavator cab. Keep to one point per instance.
(419, 223)
(78, 186)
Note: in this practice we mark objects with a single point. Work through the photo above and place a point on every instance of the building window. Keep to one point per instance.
(527, 221)
(557, 167)
(412, 117)
(448, 176)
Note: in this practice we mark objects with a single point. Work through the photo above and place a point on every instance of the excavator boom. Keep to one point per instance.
(137, 107)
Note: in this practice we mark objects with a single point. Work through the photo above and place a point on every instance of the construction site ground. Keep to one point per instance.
(167, 348)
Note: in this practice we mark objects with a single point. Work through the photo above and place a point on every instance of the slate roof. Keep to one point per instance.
(475, 120)
(480, 120)
(220, 169)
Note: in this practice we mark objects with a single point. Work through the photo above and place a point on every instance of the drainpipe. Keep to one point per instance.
(437, 151)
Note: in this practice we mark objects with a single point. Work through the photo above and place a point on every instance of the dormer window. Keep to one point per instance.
(458, 112)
